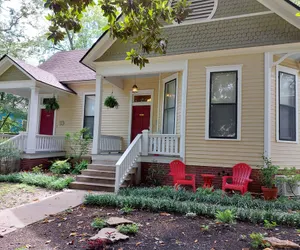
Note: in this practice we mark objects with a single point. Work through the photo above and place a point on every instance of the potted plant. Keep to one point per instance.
(268, 172)
(51, 104)
(111, 102)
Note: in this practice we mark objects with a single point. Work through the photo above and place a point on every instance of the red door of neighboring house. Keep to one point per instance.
(47, 122)
(140, 120)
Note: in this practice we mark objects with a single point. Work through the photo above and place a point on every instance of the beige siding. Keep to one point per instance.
(221, 152)
(283, 154)
(13, 74)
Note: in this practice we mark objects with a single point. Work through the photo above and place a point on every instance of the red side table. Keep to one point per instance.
(208, 179)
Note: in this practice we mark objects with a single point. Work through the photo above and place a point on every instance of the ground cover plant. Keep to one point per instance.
(39, 180)
(243, 208)
(128, 229)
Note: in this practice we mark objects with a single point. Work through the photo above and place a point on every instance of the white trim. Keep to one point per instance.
(285, 56)
(214, 10)
(83, 105)
(292, 72)
(183, 110)
(209, 70)
(166, 80)
(218, 19)
(24, 84)
(267, 104)
(158, 119)
(132, 104)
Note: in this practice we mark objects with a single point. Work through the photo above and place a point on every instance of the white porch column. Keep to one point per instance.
(145, 142)
(98, 115)
(34, 108)
(183, 111)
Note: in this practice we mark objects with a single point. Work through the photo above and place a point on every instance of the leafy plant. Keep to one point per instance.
(9, 158)
(98, 223)
(269, 225)
(60, 167)
(228, 216)
(155, 175)
(128, 229)
(257, 241)
(111, 102)
(78, 143)
(291, 177)
(79, 166)
(126, 209)
(268, 173)
(37, 169)
(98, 244)
(51, 104)
(205, 191)
(204, 228)
(191, 215)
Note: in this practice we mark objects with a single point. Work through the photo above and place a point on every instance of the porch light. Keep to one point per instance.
(135, 88)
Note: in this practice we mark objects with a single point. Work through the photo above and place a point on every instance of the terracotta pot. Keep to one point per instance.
(270, 193)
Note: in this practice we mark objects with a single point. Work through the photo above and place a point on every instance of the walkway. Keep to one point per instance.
(19, 217)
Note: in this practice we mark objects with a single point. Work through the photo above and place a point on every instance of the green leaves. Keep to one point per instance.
(140, 23)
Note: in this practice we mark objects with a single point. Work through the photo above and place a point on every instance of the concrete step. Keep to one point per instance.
(97, 173)
(99, 180)
(101, 167)
(110, 159)
(92, 186)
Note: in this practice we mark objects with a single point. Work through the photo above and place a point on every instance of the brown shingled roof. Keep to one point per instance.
(65, 66)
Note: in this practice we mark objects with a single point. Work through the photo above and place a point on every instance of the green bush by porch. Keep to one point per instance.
(39, 180)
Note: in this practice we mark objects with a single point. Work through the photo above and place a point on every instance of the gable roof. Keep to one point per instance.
(66, 67)
(37, 74)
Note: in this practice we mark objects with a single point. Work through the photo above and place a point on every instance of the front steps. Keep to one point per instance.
(100, 176)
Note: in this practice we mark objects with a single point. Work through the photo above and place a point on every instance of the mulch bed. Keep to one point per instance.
(71, 230)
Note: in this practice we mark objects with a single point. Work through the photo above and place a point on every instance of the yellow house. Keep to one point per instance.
(225, 92)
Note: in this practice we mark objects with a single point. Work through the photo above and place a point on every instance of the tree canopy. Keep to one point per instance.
(140, 23)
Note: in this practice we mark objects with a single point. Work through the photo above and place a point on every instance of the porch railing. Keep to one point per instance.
(110, 143)
(164, 144)
(50, 143)
(127, 161)
(18, 141)
(4, 137)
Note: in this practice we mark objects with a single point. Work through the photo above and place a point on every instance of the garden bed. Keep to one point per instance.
(12, 195)
(71, 230)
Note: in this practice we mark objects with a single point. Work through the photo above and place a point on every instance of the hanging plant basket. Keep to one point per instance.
(111, 102)
(51, 104)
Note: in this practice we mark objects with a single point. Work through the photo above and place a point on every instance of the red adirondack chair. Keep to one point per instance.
(179, 175)
(240, 178)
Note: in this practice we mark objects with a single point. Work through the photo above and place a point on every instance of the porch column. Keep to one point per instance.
(98, 115)
(183, 111)
(34, 108)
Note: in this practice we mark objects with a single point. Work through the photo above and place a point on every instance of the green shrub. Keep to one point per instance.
(155, 175)
(217, 197)
(257, 241)
(269, 225)
(204, 228)
(268, 172)
(227, 216)
(126, 209)
(37, 169)
(39, 180)
(183, 207)
(60, 167)
(78, 143)
(79, 166)
(98, 223)
(128, 229)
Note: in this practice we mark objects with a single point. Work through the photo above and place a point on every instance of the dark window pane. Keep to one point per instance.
(287, 106)
(89, 124)
(223, 120)
(169, 121)
(169, 107)
(223, 105)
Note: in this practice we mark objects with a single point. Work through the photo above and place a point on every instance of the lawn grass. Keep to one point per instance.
(39, 180)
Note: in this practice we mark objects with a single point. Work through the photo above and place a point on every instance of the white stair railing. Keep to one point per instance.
(50, 143)
(110, 143)
(127, 161)
(4, 137)
(164, 144)
(19, 142)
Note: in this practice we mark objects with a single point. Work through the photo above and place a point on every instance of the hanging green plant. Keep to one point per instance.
(111, 102)
(51, 104)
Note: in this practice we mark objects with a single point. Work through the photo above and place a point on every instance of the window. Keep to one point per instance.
(169, 107)
(287, 94)
(223, 110)
(89, 111)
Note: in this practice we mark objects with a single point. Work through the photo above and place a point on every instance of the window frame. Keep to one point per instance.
(165, 81)
(83, 108)
(220, 69)
(294, 72)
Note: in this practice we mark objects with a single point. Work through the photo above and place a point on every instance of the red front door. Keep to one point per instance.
(47, 122)
(140, 120)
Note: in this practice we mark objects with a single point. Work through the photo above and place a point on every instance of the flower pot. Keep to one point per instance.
(270, 193)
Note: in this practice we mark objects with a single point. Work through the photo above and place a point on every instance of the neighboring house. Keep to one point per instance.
(225, 92)
(19, 124)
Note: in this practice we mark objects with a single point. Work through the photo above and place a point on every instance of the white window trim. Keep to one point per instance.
(83, 106)
(223, 68)
(132, 104)
(164, 81)
(291, 71)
